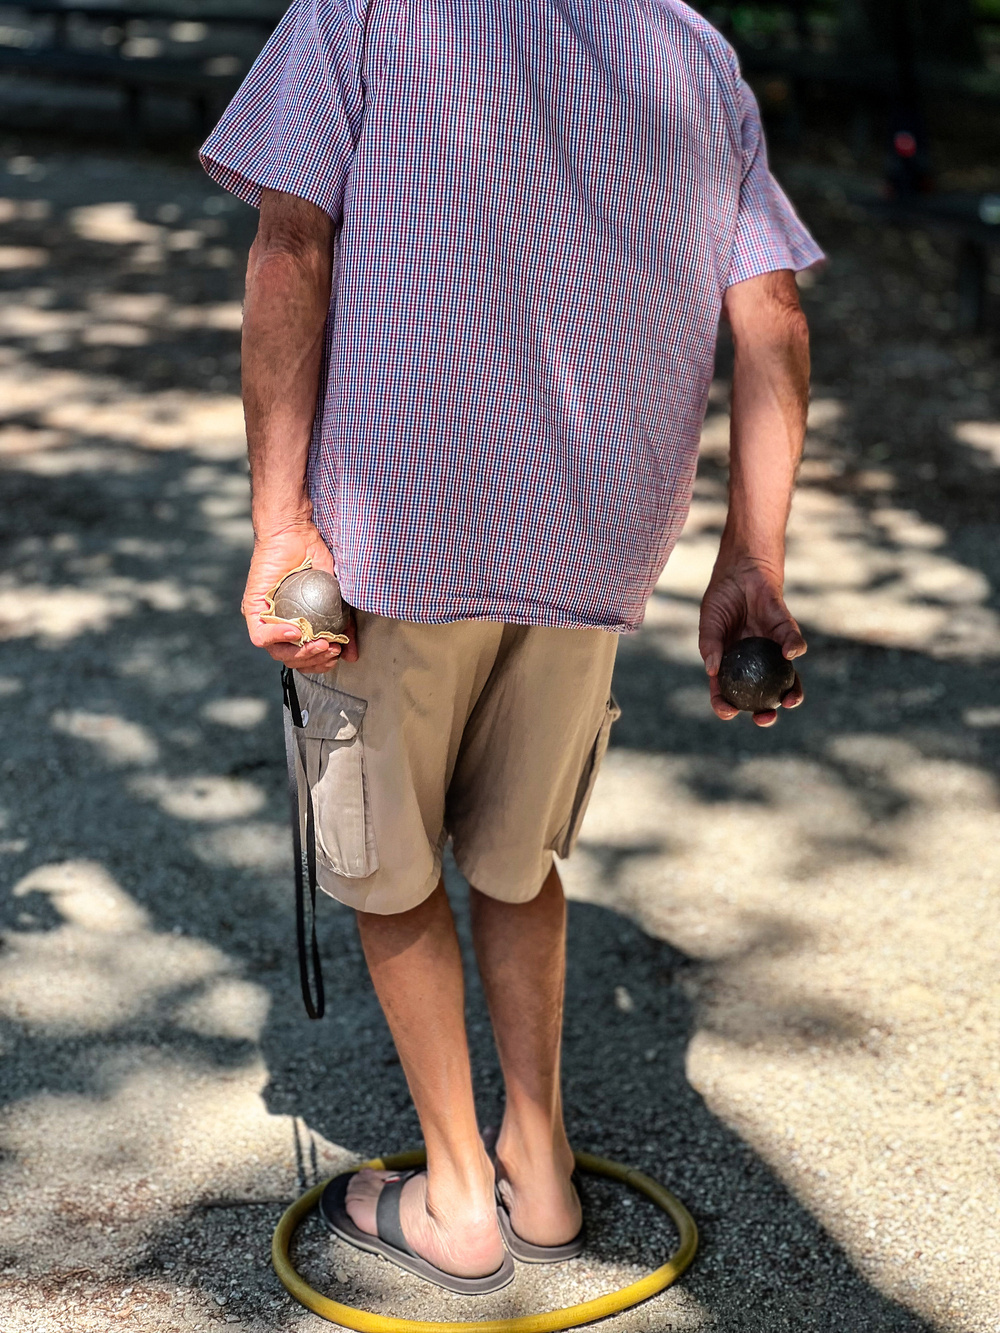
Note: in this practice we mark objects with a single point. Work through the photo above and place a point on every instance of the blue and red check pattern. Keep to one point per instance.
(542, 203)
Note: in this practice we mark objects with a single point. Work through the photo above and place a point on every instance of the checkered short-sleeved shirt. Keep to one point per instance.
(541, 203)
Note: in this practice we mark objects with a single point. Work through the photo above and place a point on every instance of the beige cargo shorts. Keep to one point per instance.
(486, 733)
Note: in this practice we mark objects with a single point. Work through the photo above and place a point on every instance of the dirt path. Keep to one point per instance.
(783, 999)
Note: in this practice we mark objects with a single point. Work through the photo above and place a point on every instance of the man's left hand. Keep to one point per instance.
(744, 598)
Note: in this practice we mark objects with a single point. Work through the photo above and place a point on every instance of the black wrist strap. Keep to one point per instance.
(310, 969)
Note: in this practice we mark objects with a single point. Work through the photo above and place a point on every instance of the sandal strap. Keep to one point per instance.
(387, 1224)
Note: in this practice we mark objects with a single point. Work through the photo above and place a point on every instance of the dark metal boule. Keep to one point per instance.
(311, 598)
(755, 675)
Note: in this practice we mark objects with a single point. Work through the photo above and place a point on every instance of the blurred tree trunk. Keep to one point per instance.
(938, 29)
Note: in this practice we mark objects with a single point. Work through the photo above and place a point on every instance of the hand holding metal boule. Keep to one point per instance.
(309, 598)
(754, 675)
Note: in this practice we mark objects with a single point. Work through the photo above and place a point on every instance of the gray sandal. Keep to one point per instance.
(390, 1242)
(538, 1254)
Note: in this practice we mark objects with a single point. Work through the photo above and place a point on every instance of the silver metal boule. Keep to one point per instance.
(310, 598)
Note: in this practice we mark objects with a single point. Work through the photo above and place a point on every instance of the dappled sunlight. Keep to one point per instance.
(838, 884)
(118, 740)
(102, 966)
(859, 566)
(226, 315)
(840, 968)
(110, 1157)
(22, 256)
(981, 717)
(86, 418)
(118, 224)
(241, 713)
(108, 318)
(139, 1084)
(878, 577)
(113, 224)
(58, 614)
(164, 665)
(23, 440)
(206, 798)
(813, 906)
(85, 895)
(983, 437)
(67, 409)
(107, 1170)
(64, 462)
(253, 845)
(228, 1008)
(209, 427)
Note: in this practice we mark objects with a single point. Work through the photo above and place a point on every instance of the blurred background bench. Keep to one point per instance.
(192, 54)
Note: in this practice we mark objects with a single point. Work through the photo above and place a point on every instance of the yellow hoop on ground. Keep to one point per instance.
(572, 1316)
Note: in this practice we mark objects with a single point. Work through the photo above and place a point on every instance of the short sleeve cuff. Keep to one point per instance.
(293, 123)
(248, 180)
(771, 236)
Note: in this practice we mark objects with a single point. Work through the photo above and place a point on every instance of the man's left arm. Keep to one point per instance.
(770, 400)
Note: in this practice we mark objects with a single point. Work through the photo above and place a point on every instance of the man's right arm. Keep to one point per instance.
(284, 318)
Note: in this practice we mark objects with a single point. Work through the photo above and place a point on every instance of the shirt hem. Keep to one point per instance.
(496, 609)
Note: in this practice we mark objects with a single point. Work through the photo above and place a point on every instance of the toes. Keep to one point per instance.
(362, 1198)
(367, 1182)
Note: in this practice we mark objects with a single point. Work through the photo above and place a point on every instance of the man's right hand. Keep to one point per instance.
(275, 554)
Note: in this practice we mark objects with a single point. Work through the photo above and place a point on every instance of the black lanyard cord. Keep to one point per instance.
(310, 977)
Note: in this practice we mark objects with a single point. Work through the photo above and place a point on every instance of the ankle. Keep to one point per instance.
(526, 1150)
(461, 1185)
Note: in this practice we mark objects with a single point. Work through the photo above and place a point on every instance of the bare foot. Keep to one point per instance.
(456, 1232)
(535, 1185)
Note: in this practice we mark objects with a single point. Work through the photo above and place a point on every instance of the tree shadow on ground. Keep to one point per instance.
(765, 1262)
(143, 738)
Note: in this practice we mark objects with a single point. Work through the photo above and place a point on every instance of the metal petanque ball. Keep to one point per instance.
(311, 599)
(755, 675)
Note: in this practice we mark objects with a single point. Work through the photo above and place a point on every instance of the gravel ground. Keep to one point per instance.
(783, 991)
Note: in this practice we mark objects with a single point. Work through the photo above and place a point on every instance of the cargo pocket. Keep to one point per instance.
(332, 759)
(565, 839)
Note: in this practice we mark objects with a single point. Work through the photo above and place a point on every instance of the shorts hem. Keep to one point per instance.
(384, 899)
(513, 894)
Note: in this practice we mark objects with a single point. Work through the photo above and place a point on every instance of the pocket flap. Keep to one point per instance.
(328, 714)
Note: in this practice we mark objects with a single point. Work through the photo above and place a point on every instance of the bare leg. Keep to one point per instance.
(449, 1215)
(521, 950)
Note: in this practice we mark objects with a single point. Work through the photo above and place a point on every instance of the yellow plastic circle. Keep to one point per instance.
(572, 1316)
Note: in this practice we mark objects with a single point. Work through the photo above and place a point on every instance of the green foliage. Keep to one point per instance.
(763, 24)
